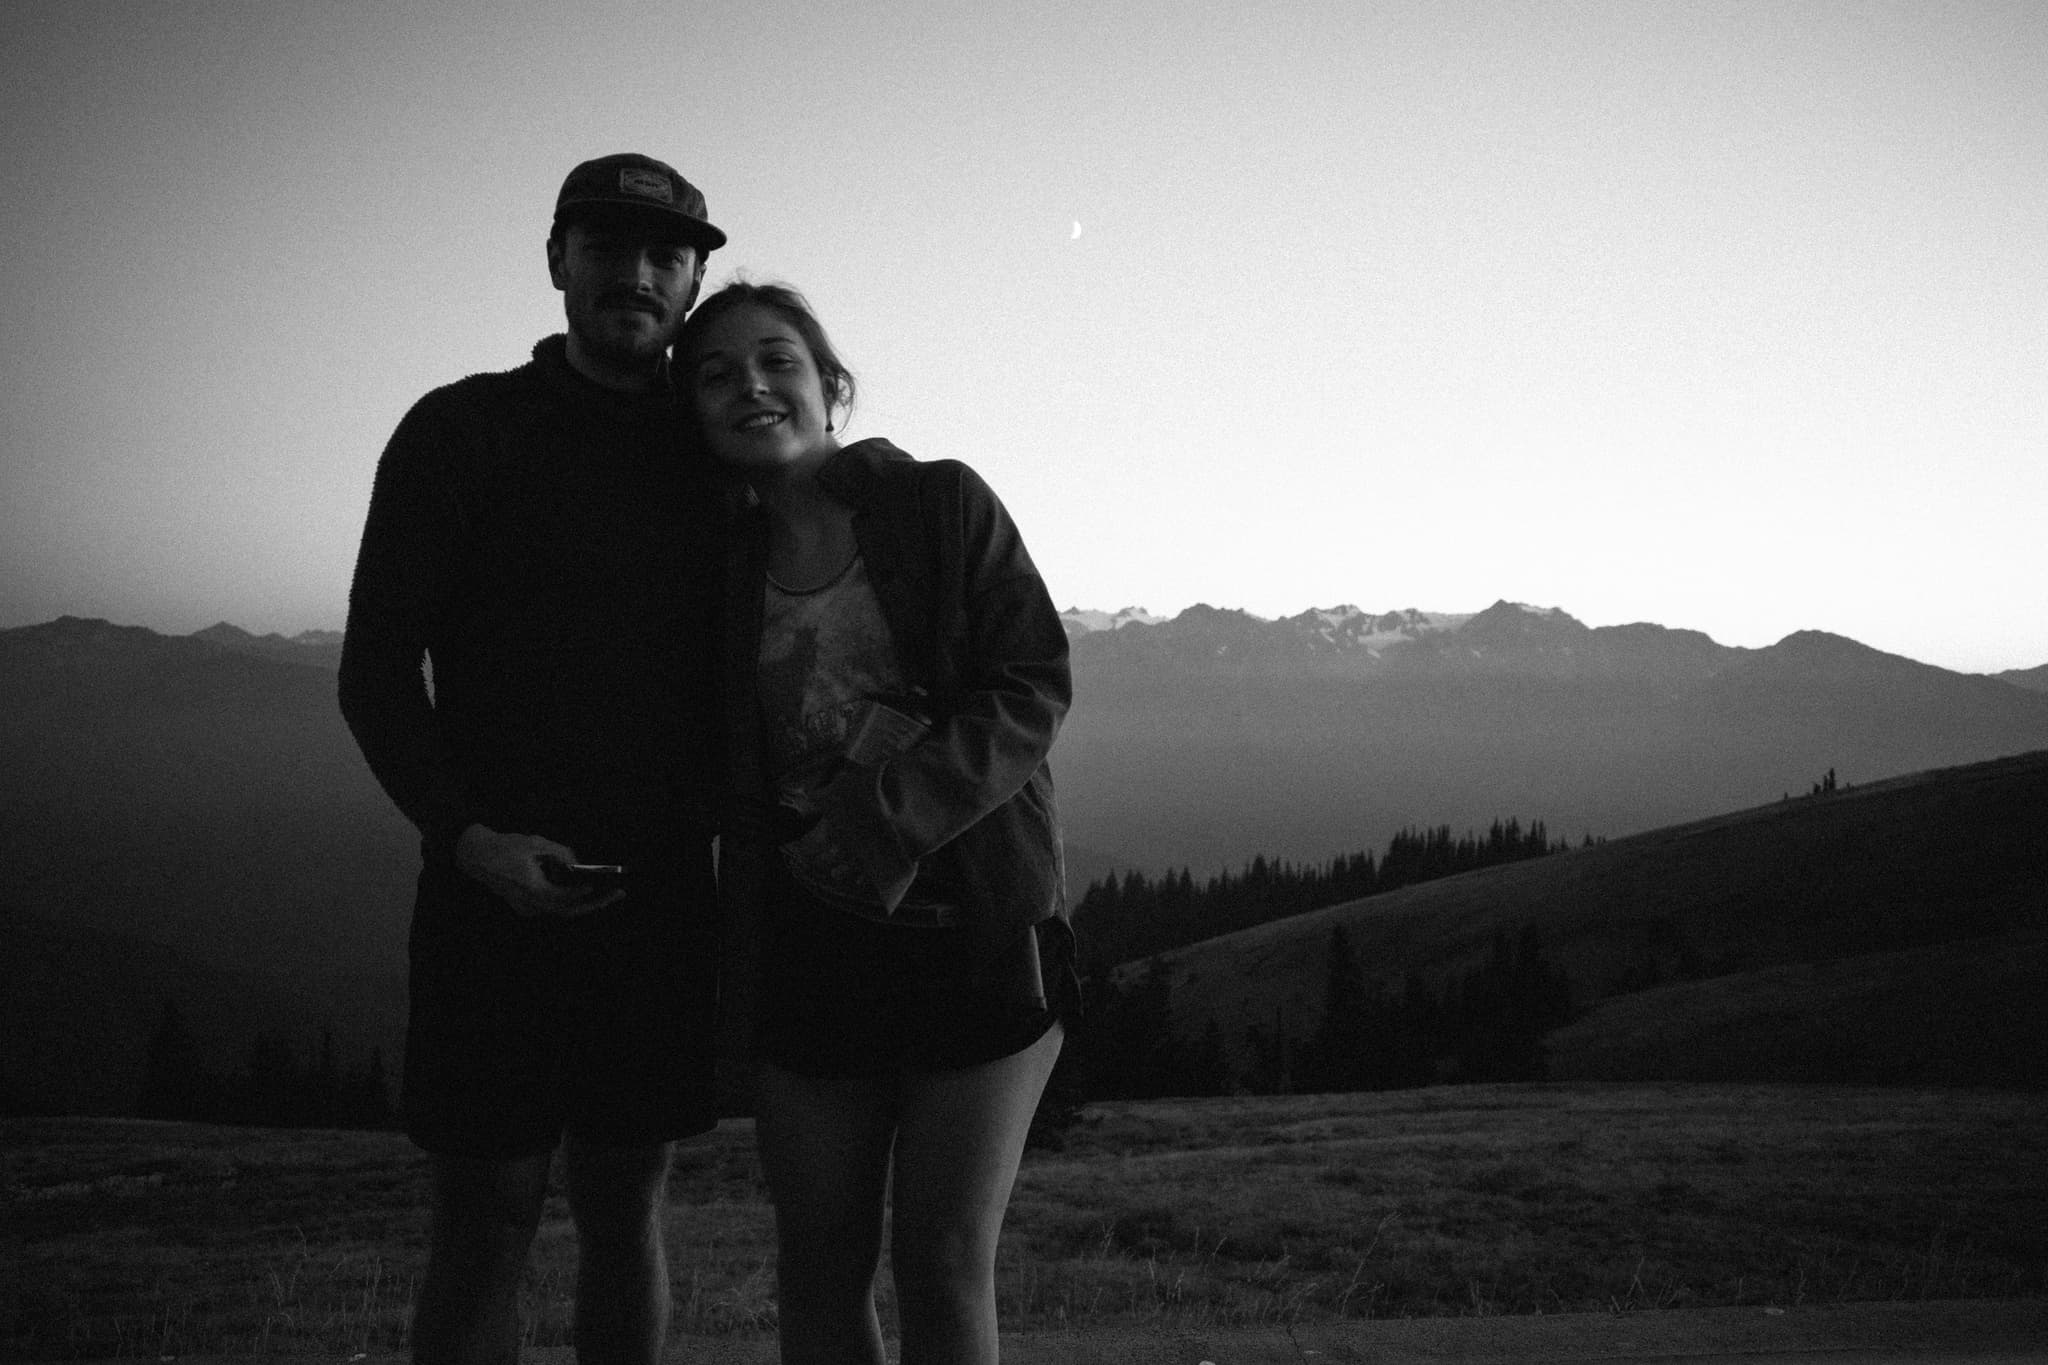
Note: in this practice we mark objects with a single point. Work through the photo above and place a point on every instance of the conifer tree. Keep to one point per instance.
(175, 1084)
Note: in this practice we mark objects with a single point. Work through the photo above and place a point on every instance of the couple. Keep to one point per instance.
(658, 602)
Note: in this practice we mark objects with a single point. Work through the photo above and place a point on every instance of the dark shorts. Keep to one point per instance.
(846, 996)
(523, 1030)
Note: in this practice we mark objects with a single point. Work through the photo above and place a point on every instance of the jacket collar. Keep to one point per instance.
(856, 474)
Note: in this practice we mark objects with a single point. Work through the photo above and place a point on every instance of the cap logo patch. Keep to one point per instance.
(646, 185)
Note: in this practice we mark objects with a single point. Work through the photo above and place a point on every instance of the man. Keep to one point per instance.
(539, 538)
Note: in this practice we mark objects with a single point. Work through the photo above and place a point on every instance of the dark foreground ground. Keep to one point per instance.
(2004, 1332)
(1427, 1221)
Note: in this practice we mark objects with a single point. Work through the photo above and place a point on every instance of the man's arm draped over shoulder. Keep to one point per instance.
(406, 575)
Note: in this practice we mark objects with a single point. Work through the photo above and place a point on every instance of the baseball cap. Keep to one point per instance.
(632, 181)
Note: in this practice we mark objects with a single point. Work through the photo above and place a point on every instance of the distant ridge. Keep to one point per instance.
(1340, 630)
(1226, 637)
(319, 648)
(92, 636)
(1349, 629)
(1205, 739)
(2033, 679)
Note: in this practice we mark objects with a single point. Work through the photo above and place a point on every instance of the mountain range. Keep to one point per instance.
(1202, 740)
(1345, 639)
(1349, 639)
(200, 794)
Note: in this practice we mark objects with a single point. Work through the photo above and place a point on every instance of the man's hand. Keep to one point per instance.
(513, 866)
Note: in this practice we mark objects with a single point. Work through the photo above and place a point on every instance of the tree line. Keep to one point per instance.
(1128, 917)
(1483, 1024)
(274, 1086)
(1486, 1024)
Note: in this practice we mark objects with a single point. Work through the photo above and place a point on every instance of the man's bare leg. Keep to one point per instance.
(485, 1213)
(622, 1294)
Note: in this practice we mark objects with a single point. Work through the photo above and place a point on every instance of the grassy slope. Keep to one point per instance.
(1969, 1013)
(165, 1239)
(1948, 863)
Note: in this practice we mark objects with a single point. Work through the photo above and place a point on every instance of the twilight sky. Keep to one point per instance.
(1731, 316)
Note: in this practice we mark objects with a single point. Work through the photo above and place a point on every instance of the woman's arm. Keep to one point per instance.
(1004, 663)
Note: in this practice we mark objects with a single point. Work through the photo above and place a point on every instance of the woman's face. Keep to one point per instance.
(758, 394)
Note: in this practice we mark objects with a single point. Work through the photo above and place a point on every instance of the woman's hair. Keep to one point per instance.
(793, 308)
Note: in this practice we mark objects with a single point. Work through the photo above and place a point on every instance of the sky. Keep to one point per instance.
(1727, 316)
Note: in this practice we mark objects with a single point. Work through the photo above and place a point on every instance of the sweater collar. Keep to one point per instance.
(551, 363)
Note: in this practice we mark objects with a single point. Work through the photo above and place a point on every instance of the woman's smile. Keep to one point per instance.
(757, 387)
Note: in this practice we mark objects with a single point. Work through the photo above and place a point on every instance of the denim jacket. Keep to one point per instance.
(974, 627)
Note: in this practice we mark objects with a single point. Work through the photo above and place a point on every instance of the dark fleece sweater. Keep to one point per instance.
(551, 547)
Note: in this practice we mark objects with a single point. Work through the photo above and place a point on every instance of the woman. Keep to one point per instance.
(896, 674)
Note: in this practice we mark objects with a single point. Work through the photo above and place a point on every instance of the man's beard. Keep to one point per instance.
(621, 346)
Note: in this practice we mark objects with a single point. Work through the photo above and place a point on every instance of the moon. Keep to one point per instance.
(1077, 231)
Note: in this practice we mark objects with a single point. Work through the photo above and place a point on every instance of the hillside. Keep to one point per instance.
(1968, 1013)
(1898, 926)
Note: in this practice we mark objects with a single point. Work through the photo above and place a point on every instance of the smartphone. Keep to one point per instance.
(601, 876)
(885, 730)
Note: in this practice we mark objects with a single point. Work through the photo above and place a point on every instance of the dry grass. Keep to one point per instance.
(1524, 1199)
(129, 1238)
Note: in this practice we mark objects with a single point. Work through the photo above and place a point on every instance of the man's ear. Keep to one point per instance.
(696, 283)
(555, 263)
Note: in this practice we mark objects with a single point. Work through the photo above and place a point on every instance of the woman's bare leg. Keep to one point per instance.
(825, 1150)
(960, 1136)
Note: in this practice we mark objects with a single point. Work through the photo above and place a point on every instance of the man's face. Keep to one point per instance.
(626, 283)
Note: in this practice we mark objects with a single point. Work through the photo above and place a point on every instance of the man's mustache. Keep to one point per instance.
(627, 298)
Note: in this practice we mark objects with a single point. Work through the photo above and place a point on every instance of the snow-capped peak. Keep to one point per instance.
(1086, 621)
(1348, 627)
(1345, 628)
